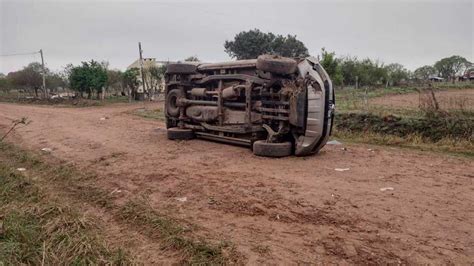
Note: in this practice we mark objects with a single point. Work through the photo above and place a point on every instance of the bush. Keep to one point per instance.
(433, 127)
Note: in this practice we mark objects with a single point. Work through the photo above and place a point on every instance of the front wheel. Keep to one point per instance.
(267, 149)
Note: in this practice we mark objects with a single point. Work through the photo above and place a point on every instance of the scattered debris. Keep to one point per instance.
(183, 199)
(47, 149)
(116, 191)
(386, 188)
(211, 200)
(21, 169)
(334, 142)
(342, 169)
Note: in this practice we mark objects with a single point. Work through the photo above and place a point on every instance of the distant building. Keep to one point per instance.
(147, 63)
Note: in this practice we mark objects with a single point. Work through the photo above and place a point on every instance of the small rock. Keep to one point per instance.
(386, 189)
(47, 149)
(350, 250)
(104, 118)
(342, 169)
(333, 142)
(183, 199)
(21, 169)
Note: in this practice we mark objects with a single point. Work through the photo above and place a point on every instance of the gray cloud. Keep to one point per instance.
(408, 32)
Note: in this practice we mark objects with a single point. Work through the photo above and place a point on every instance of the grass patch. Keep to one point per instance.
(433, 127)
(412, 141)
(38, 229)
(155, 114)
(61, 227)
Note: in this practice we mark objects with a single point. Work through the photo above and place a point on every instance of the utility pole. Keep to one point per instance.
(44, 75)
(142, 73)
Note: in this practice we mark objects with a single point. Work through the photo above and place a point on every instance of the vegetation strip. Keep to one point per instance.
(39, 213)
(36, 228)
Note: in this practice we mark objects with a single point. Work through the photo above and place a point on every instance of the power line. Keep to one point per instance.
(19, 54)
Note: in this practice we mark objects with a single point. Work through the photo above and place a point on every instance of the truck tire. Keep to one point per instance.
(276, 64)
(181, 68)
(263, 148)
(176, 133)
(172, 107)
(170, 123)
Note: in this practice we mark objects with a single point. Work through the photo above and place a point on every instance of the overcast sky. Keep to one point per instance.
(413, 33)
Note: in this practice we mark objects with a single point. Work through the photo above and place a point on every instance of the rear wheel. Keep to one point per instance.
(172, 107)
(276, 64)
(267, 149)
(181, 68)
(176, 133)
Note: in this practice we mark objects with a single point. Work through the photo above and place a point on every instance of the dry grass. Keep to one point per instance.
(40, 229)
(39, 226)
(155, 114)
(413, 141)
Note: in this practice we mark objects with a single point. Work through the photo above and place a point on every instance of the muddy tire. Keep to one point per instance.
(172, 108)
(262, 148)
(181, 68)
(171, 123)
(276, 64)
(176, 133)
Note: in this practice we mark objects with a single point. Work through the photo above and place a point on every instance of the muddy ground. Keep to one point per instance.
(461, 99)
(289, 210)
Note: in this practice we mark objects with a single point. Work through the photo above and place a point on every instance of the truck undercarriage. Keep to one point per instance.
(277, 106)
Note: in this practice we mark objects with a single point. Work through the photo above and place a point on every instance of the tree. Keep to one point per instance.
(130, 80)
(396, 73)
(192, 59)
(250, 44)
(331, 64)
(114, 80)
(450, 66)
(54, 81)
(88, 77)
(28, 78)
(4, 83)
(155, 75)
(424, 72)
(363, 72)
(289, 46)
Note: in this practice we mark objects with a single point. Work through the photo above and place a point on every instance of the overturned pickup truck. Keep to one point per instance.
(275, 105)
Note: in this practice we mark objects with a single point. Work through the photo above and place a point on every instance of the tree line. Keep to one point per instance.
(344, 70)
(87, 79)
(93, 77)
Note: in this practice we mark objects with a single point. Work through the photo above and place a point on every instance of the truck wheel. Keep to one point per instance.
(176, 133)
(170, 123)
(276, 64)
(262, 148)
(172, 107)
(181, 68)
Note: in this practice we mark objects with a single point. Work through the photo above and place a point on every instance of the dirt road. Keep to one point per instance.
(289, 210)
